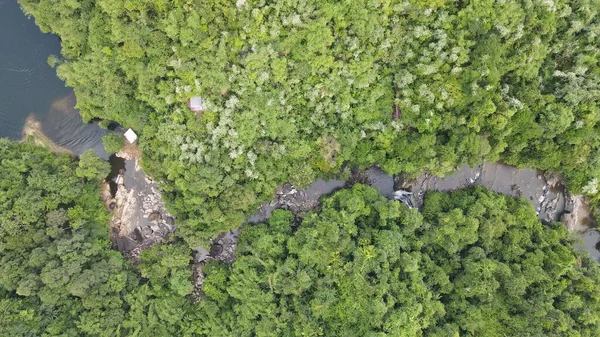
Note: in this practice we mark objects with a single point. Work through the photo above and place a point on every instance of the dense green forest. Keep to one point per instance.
(58, 273)
(293, 89)
(473, 263)
(56, 265)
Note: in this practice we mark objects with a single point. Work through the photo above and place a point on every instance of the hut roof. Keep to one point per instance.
(195, 103)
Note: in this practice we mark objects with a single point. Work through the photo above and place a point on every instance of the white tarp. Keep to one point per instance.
(131, 136)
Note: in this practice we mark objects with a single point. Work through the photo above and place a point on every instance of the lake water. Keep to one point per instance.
(29, 86)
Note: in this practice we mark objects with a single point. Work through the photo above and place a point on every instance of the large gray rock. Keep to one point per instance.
(580, 217)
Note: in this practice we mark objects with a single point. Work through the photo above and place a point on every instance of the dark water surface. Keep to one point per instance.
(591, 242)
(29, 86)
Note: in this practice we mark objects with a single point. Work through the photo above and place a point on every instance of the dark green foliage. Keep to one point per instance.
(293, 89)
(474, 264)
(159, 306)
(57, 271)
(113, 142)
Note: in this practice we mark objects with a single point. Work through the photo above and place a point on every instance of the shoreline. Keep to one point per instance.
(32, 133)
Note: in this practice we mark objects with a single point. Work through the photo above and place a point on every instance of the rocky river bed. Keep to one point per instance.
(140, 218)
(545, 192)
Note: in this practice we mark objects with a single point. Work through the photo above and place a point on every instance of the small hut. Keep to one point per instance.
(130, 136)
(195, 104)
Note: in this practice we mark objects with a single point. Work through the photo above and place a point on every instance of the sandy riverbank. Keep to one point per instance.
(32, 133)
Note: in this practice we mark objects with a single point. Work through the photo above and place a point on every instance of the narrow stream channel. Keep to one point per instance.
(546, 193)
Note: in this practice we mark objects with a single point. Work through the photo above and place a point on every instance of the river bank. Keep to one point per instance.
(139, 215)
(33, 100)
(28, 85)
(546, 193)
(32, 133)
(63, 130)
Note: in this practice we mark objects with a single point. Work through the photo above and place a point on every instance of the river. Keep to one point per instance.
(30, 87)
(545, 192)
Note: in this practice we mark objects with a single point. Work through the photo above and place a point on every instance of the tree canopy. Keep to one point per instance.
(113, 142)
(57, 271)
(293, 89)
(475, 263)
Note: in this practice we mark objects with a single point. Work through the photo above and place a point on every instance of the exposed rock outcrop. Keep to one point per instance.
(578, 217)
(198, 280)
(222, 250)
(546, 194)
(140, 218)
(297, 201)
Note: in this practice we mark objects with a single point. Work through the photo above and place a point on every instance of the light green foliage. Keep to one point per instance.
(92, 167)
(161, 306)
(474, 264)
(113, 142)
(293, 89)
(168, 266)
